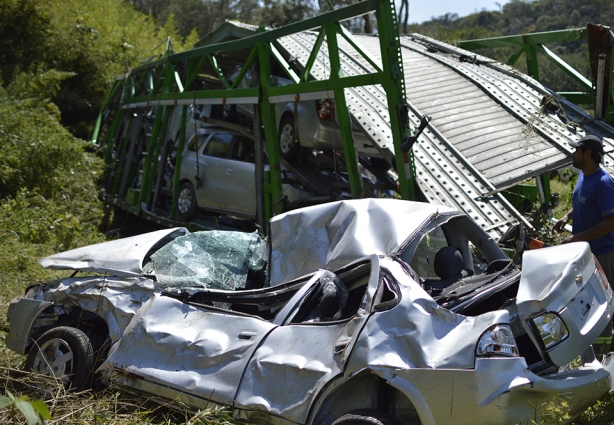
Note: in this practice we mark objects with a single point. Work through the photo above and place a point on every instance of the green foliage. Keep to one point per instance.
(88, 41)
(39, 155)
(35, 411)
(23, 29)
(601, 413)
(48, 182)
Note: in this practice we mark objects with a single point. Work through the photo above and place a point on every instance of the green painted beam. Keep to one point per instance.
(520, 40)
(585, 82)
(578, 98)
(343, 115)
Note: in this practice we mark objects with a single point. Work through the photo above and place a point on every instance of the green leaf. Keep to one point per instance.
(41, 408)
(26, 409)
(5, 401)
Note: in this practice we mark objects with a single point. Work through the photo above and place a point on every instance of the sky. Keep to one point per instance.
(424, 10)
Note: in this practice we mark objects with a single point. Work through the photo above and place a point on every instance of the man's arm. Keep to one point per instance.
(604, 227)
(559, 226)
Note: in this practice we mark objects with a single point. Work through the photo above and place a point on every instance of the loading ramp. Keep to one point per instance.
(492, 127)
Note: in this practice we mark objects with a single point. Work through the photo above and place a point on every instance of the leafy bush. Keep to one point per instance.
(48, 193)
(93, 40)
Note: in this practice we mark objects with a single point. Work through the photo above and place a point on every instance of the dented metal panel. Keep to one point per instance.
(313, 354)
(420, 334)
(382, 342)
(122, 257)
(335, 234)
(564, 279)
(186, 349)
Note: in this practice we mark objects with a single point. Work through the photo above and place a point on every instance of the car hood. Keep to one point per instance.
(122, 257)
(332, 235)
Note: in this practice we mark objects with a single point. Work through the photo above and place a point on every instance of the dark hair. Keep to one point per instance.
(594, 155)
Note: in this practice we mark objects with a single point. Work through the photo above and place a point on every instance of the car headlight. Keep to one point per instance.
(497, 341)
(550, 328)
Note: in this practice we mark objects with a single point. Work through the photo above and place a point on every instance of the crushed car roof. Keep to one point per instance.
(332, 235)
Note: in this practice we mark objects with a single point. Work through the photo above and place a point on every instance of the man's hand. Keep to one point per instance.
(559, 226)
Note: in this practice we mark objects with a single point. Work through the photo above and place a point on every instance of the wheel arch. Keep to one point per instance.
(92, 325)
(368, 389)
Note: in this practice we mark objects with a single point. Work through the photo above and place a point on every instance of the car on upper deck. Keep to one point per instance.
(363, 311)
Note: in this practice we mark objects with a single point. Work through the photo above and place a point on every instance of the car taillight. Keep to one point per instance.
(601, 274)
(551, 328)
(325, 108)
(496, 342)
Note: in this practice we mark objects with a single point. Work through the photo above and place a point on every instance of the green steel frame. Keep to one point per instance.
(170, 82)
(531, 44)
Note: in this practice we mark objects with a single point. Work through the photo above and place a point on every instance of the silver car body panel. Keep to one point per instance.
(504, 391)
(115, 300)
(122, 257)
(22, 315)
(186, 348)
(298, 368)
(334, 234)
(421, 334)
(564, 279)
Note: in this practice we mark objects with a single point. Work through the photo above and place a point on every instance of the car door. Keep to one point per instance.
(191, 353)
(227, 176)
(298, 358)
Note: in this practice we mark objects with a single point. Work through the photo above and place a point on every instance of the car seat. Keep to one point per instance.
(448, 266)
(334, 298)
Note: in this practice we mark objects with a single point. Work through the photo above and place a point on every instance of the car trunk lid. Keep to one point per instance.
(564, 280)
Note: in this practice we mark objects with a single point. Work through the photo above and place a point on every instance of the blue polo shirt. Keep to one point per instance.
(592, 201)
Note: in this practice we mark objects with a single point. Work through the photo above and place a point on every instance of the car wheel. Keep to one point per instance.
(186, 202)
(366, 417)
(64, 353)
(289, 148)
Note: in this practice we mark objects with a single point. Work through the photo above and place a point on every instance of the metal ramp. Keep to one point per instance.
(444, 175)
(492, 126)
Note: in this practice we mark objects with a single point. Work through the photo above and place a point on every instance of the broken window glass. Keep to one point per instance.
(210, 259)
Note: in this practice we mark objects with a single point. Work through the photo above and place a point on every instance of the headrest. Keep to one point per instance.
(448, 262)
(330, 303)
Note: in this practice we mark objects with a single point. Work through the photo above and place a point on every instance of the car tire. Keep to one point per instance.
(366, 417)
(186, 202)
(289, 148)
(65, 353)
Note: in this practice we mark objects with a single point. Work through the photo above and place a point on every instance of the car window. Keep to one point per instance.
(195, 143)
(244, 150)
(336, 297)
(218, 145)
(423, 260)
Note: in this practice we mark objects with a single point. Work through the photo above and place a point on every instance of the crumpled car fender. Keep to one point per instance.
(420, 334)
(22, 314)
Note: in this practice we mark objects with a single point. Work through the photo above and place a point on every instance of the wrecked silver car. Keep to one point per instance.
(350, 312)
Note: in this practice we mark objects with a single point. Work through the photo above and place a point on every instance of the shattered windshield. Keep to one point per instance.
(210, 259)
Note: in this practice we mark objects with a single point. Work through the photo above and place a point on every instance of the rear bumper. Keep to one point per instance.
(500, 391)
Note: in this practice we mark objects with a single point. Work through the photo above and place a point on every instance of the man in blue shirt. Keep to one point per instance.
(592, 212)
